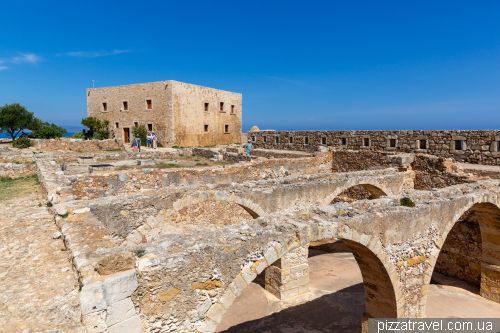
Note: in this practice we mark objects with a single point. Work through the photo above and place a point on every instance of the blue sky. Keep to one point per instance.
(314, 65)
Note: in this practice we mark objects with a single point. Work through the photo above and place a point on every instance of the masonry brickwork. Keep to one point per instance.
(480, 147)
(180, 114)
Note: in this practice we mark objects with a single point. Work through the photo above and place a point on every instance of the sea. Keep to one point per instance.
(7, 136)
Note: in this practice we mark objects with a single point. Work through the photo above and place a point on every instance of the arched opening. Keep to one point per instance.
(467, 270)
(359, 192)
(347, 284)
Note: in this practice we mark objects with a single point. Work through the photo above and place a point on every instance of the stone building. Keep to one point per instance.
(180, 114)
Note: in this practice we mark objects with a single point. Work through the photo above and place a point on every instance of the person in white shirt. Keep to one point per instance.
(148, 140)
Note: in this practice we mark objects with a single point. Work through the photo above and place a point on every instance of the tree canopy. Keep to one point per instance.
(48, 131)
(15, 118)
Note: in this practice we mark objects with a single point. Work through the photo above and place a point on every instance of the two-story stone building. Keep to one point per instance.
(180, 114)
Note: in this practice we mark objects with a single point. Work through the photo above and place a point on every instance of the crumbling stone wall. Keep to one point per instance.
(207, 153)
(76, 144)
(481, 147)
(460, 256)
(349, 160)
(436, 172)
(16, 170)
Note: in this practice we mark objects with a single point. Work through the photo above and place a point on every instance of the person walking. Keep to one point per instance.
(248, 146)
(138, 139)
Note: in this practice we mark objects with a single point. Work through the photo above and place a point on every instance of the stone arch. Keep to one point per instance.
(375, 189)
(383, 292)
(487, 210)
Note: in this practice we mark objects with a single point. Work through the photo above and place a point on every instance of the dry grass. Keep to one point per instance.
(11, 188)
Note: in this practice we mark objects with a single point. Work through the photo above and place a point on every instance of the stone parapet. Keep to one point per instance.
(480, 147)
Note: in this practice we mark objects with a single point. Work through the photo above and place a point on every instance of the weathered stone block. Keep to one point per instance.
(131, 325)
(119, 287)
(120, 311)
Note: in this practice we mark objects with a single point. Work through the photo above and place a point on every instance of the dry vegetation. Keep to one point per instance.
(11, 188)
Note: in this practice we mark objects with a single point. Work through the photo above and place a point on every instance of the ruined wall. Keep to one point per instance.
(481, 147)
(460, 257)
(190, 116)
(160, 116)
(436, 172)
(206, 153)
(348, 160)
(76, 144)
(16, 170)
(102, 185)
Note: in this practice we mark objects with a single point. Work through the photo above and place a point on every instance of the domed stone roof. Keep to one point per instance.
(255, 128)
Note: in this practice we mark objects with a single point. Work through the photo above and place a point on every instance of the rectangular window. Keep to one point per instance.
(459, 145)
(232, 108)
(150, 127)
(277, 140)
(366, 142)
(136, 124)
(117, 125)
(222, 106)
(226, 128)
(344, 142)
(392, 142)
(149, 104)
(104, 106)
(253, 138)
(306, 140)
(423, 144)
(265, 138)
(498, 147)
(125, 106)
(206, 107)
(291, 139)
(205, 128)
(323, 140)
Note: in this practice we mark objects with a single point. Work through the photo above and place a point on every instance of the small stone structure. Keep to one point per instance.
(100, 167)
(145, 162)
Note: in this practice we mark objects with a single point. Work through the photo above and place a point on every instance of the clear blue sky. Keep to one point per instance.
(300, 65)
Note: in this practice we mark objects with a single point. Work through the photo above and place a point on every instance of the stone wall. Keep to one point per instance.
(76, 144)
(16, 170)
(481, 147)
(460, 257)
(207, 153)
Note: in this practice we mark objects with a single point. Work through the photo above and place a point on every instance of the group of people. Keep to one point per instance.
(151, 142)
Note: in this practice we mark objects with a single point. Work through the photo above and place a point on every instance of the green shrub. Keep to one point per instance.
(407, 202)
(48, 131)
(78, 135)
(21, 143)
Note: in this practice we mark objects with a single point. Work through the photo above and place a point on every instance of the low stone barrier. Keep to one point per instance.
(76, 144)
(16, 170)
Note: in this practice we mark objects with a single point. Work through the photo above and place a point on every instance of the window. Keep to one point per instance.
(206, 107)
(498, 147)
(150, 127)
(125, 106)
(265, 138)
(104, 106)
(306, 140)
(136, 124)
(366, 142)
(323, 141)
(149, 104)
(222, 106)
(343, 142)
(205, 127)
(232, 109)
(423, 144)
(277, 140)
(459, 145)
(392, 142)
(117, 125)
(291, 139)
(253, 138)
(226, 128)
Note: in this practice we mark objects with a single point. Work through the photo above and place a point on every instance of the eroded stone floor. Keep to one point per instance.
(336, 301)
(38, 288)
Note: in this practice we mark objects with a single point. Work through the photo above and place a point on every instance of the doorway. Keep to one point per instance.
(126, 135)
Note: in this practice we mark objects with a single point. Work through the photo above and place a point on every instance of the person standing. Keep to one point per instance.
(134, 144)
(138, 143)
(248, 146)
(155, 140)
(148, 140)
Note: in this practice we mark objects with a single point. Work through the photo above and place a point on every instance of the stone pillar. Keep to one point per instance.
(289, 276)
